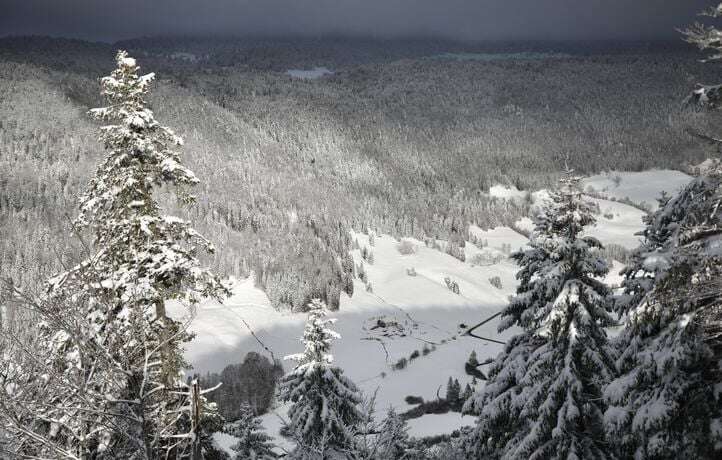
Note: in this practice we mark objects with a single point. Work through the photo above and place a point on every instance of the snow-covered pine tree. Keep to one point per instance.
(452, 391)
(707, 37)
(543, 396)
(140, 259)
(393, 440)
(467, 393)
(324, 411)
(664, 404)
(253, 443)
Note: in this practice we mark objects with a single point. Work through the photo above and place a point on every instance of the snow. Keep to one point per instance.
(510, 192)
(316, 72)
(614, 278)
(617, 223)
(128, 62)
(640, 187)
(184, 56)
(224, 441)
(707, 166)
(499, 236)
(436, 424)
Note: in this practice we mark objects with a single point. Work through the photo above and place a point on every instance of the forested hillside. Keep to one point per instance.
(399, 139)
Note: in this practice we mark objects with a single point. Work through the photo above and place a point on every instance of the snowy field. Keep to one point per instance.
(425, 310)
(316, 72)
(639, 187)
(617, 223)
(421, 307)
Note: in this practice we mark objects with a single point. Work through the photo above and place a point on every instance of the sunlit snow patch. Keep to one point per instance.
(314, 73)
(511, 192)
(642, 188)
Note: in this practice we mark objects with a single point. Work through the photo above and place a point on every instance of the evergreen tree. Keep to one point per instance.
(467, 393)
(452, 391)
(253, 443)
(663, 405)
(324, 411)
(543, 396)
(393, 441)
(141, 259)
(473, 360)
(348, 268)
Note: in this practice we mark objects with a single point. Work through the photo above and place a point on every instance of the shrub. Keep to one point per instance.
(415, 354)
(414, 400)
(438, 406)
(400, 364)
(406, 248)
(411, 271)
(495, 281)
(452, 285)
(455, 251)
(253, 382)
(361, 273)
(485, 259)
(612, 252)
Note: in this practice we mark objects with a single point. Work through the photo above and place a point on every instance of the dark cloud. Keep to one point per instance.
(464, 19)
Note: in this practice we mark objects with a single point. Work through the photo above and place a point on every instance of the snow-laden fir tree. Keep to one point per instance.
(543, 396)
(325, 404)
(139, 260)
(707, 37)
(666, 404)
(253, 443)
(393, 439)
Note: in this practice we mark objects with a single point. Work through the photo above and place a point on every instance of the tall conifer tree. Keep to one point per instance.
(139, 260)
(543, 396)
(325, 403)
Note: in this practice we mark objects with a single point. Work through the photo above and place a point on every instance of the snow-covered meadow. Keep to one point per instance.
(310, 74)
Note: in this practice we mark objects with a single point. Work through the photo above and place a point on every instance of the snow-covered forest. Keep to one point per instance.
(349, 248)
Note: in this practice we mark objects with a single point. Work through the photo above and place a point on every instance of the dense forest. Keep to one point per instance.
(406, 146)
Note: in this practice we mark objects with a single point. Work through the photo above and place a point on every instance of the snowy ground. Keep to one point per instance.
(427, 313)
(508, 192)
(426, 310)
(617, 223)
(639, 187)
(314, 73)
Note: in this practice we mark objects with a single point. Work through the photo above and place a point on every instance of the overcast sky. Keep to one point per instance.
(110, 20)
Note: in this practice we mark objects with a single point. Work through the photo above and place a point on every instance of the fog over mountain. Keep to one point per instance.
(460, 19)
